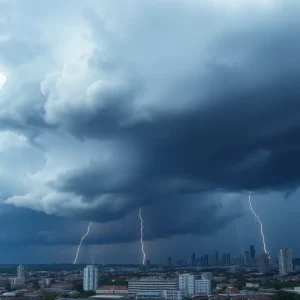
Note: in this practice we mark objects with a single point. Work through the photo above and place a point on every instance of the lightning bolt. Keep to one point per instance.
(142, 236)
(261, 225)
(82, 239)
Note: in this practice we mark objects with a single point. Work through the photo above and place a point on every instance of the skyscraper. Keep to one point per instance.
(205, 260)
(263, 263)
(226, 259)
(20, 275)
(169, 261)
(187, 284)
(90, 278)
(193, 259)
(285, 261)
(252, 254)
(246, 258)
(148, 263)
(216, 257)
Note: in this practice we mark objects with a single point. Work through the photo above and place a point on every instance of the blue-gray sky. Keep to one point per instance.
(178, 107)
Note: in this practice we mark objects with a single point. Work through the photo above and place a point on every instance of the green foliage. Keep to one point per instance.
(78, 286)
(278, 285)
(112, 280)
(49, 295)
(286, 296)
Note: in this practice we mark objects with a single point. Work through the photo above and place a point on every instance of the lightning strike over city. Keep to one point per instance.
(260, 223)
(142, 236)
(82, 239)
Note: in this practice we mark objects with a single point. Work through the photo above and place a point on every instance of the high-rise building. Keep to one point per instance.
(193, 259)
(216, 257)
(152, 284)
(148, 264)
(252, 254)
(187, 284)
(263, 263)
(246, 258)
(205, 260)
(285, 261)
(226, 259)
(203, 286)
(20, 279)
(90, 278)
(169, 261)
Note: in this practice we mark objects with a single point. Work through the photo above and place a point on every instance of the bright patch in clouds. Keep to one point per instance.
(2, 79)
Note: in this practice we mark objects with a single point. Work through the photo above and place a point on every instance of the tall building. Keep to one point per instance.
(252, 254)
(285, 261)
(246, 258)
(216, 257)
(187, 284)
(226, 259)
(263, 263)
(20, 275)
(205, 260)
(152, 284)
(169, 261)
(202, 286)
(148, 264)
(90, 278)
(193, 259)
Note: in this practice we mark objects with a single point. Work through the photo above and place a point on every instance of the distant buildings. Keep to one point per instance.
(226, 259)
(263, 263)
(193, 259)
(246, 258)
(285, 261)
(148, 264)
(187, 284)
(169, 261)
(252, 255)
(216, 260)
(90, 278)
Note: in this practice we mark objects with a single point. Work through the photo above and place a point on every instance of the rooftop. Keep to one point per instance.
(112, 287)
(148, 293)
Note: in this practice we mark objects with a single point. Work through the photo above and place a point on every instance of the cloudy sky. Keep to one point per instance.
(176, 107)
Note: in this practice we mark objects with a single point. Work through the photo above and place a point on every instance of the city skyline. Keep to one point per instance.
(105, 114)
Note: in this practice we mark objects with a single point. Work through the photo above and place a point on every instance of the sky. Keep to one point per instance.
(180, 108)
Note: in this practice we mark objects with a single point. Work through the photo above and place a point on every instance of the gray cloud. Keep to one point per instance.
(149, 107)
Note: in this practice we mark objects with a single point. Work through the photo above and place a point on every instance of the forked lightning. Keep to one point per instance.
(259, 221)
(142, 236)
(82, 239)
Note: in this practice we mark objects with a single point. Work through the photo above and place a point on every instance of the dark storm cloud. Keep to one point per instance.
(146, 116)
(161, 220)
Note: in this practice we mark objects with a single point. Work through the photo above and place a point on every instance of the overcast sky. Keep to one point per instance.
(177, 107)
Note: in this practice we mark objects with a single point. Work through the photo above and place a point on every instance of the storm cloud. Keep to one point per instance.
(172, 106)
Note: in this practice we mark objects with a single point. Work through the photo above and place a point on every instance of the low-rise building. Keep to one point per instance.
(150, 295)
(112, 289)
(203, 286)
(172, 295)
(151, 284)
